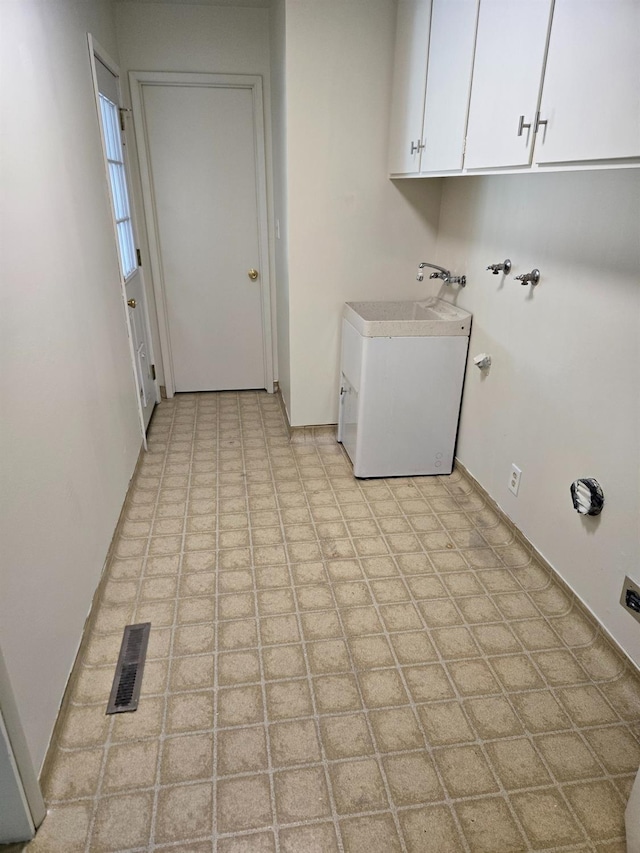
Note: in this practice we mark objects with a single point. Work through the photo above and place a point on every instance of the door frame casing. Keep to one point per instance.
(138, 79)
(96, 50)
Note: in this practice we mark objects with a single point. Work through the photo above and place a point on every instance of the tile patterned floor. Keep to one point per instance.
(334, 665)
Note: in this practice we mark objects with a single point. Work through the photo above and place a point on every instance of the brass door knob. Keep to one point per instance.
(131, 303)
(253, 274)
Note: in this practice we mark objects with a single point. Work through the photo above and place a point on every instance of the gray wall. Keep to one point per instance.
(562, 398)
(70, 434)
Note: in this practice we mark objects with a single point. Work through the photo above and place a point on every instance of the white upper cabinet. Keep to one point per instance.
(591, 93)
(409, 82)
(515, 85)
(507, 77)
(451, 45)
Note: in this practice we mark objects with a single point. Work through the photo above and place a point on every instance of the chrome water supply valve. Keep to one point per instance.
(505, 267)
(532, 277)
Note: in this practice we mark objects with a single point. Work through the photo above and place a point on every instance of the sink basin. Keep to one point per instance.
(407, 319)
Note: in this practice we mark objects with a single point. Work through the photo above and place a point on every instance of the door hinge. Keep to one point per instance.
(139, 257)
(122, 111)
(153, 371)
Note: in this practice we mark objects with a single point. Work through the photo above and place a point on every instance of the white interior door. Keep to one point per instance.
(107, 84)
(202, 168)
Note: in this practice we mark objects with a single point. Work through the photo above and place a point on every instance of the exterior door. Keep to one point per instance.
(114, 149)
(202, 166)
(15, 818)
(21, 805)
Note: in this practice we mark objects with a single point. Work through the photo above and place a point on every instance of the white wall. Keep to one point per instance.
(352, 233)
(346, 231)
(208, 39)
(70, 434)
(178, 37)
(278, 48)
(562, 397)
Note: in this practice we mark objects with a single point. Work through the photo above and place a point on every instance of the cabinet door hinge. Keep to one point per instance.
(139, 257)
(153, 371)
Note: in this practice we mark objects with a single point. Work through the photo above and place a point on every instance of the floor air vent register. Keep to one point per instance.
(127, 681)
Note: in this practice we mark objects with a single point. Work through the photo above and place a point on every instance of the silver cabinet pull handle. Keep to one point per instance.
(539, 121)
(522, 125)
(416, 147)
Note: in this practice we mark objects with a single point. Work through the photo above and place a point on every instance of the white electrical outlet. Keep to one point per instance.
(514, 479)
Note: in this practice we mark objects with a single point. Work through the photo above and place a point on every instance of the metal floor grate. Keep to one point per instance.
(127, 681)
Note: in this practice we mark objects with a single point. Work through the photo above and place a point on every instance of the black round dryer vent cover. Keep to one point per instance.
(587, 496)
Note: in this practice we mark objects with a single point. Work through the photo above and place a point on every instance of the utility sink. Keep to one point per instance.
(426, 317)
(401, 375)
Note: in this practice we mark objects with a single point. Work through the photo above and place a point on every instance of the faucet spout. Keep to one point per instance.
(442, 273)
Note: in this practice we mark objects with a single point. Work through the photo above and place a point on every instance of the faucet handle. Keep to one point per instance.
(505, 266)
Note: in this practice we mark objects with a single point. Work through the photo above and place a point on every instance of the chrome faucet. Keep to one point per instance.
(443, 274)
(505, 267)
(532, 277)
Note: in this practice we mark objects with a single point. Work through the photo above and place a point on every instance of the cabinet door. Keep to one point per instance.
(409, 80)
(591, 92)
(507, 75)
(451, 44)
(348, 417)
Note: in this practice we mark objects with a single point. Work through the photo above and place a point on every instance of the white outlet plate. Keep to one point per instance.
(514, 479)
